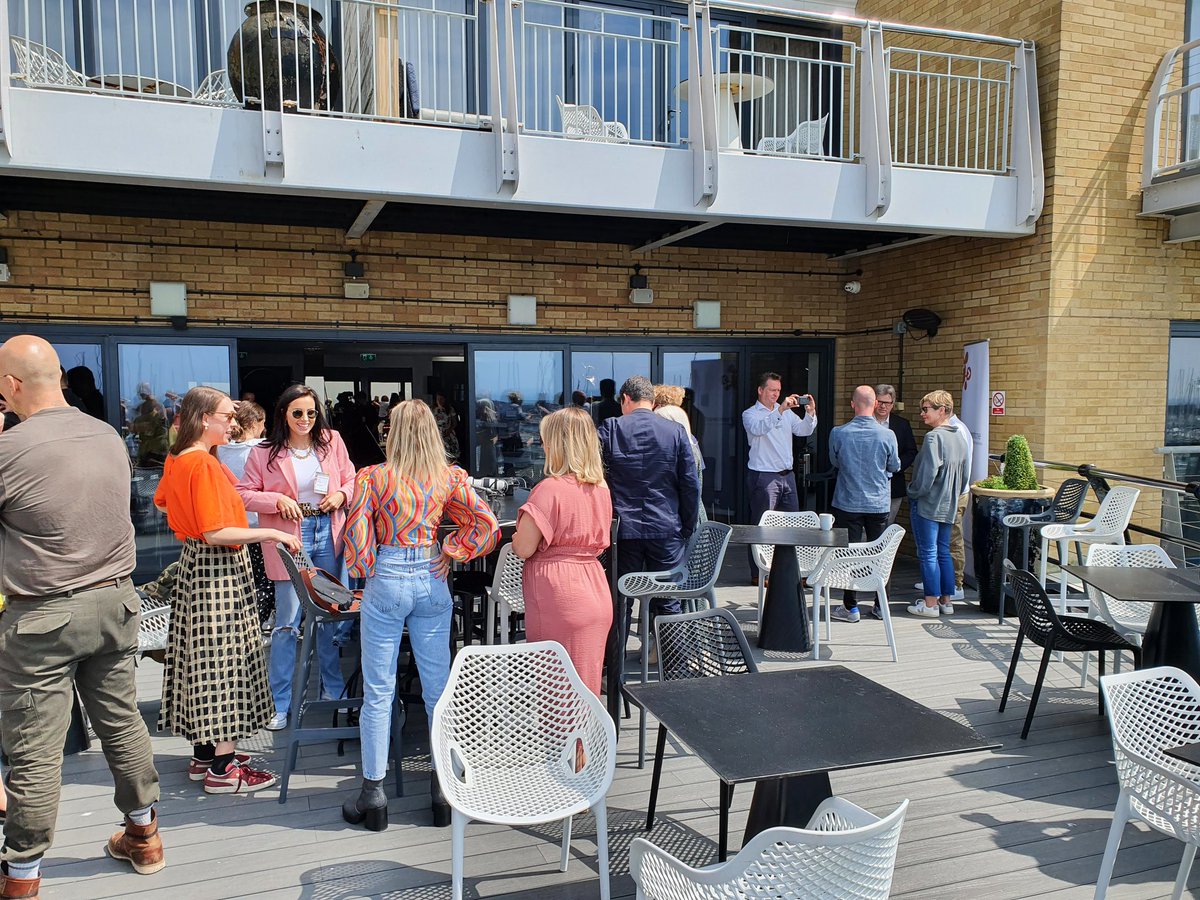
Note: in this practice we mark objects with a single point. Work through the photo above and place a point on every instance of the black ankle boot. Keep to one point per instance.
(369, 807)
(441, 809)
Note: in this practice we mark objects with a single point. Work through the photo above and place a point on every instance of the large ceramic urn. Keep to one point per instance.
(281, 59)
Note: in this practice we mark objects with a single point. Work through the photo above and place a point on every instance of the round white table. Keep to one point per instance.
(732, 88)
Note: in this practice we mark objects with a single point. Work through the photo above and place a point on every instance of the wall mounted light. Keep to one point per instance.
(640, 291)
(168, 298)
(5, 275)
(706, 314)
(852, 287)
(522, 309)
(354, 288)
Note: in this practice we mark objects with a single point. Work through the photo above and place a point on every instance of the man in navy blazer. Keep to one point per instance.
(885, 400)
(655, 488)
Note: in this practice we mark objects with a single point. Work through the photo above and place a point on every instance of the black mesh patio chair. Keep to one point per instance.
(1064, 509)
(702, 644)
(1054, 633)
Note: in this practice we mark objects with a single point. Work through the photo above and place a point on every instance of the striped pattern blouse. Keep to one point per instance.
(389, 509)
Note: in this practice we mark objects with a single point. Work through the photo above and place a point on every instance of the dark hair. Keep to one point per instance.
(608, 387)
(248, 413)
(277, 443)
(639, 389)
(196, 404)
(768, 376)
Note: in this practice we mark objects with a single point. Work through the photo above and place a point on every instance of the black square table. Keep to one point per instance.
(1171, 638)
(787, 730)
(784, 624)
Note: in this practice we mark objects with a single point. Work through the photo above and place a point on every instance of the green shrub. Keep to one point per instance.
(1019, 474)
(992, 483)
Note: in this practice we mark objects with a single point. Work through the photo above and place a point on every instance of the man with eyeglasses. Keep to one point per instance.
(885, 415)
(71, 616)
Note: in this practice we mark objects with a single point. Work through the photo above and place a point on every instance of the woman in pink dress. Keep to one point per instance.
(561, 530)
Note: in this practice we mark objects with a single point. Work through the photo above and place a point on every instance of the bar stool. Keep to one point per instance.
(298, 732)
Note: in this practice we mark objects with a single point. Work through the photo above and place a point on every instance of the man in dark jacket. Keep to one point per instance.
(655, 489)
(885, 401)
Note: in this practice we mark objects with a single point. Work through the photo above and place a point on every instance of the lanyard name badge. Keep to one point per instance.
(321, 483)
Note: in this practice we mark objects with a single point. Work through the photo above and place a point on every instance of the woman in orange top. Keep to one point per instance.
(215, 687)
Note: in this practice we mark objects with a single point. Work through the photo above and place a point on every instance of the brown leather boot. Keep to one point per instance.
(18, 888)
(140, 845)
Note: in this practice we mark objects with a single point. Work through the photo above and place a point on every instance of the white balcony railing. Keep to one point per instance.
(1172, 140)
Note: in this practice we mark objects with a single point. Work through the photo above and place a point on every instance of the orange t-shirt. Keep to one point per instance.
(197, 492)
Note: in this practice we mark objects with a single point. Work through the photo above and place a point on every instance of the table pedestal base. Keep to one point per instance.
(784, 624)
(782, 801)
(1172, 638)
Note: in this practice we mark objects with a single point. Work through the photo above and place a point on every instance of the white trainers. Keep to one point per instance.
(958, 592)
(278, 723)
(841, 614)
(947, 609)
(920, 609)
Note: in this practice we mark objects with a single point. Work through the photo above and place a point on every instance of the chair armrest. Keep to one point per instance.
(830, 562)
(1022, 520)
(655, 581)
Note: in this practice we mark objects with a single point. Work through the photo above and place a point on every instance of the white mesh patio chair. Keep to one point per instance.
(858, 567)
(517, 739)
(39, 65)
(763, 554)
(154, 624)
(504, 597)
(806, 139)
(1107, 527)
(215, 90)
(844, 852)
(694, 580)
(584, 123)
(1149, 711)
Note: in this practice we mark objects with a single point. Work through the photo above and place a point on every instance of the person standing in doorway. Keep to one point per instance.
(906, 444)
(770, 426)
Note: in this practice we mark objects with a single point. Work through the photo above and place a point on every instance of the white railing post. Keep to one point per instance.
(702, 109)
(501, 88)
(1150, 145)
(874, 133)
(5, 80)
(1027, 137)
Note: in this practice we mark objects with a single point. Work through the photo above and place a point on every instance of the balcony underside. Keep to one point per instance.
(344, 163)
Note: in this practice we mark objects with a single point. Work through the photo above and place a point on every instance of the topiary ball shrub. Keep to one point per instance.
(1019, 474)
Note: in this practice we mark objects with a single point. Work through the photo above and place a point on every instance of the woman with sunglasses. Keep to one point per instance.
(300, 481)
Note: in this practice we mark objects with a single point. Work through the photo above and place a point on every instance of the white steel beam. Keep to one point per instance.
(677, 236)
(1184, 228)
(365, 217)
(880, 248)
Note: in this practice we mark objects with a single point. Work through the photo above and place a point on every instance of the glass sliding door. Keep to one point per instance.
(712, 401)
(597, 375)
(514, 391)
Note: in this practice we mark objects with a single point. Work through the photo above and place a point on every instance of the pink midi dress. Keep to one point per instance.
(566, 591)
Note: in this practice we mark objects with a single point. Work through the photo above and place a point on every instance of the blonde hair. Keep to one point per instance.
(414, 444)
(667, 395)
(675, 414)
(940, 400)
(572, 446)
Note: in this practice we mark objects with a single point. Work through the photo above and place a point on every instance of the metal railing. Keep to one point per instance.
(1172, 138)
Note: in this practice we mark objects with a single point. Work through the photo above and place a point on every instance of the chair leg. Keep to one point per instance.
(1012, 667)
(828, 597)
(1063, 560)
(645, 617)
(1083, 667)
(458, 833)
(566, 844)
(762, 596)
(1100, 667)
(816, 625)
(1044, 562)
(1185, 868)
(600, 811)
(489, 619)
(1037, 691)
(881, 599)
(398, 716)
(502, 620)
(723, 822)
(1120, 817)
(657, 775)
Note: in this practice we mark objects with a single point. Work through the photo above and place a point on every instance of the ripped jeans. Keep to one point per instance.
(317, 534)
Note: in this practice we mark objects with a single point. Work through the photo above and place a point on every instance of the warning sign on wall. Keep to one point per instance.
(997, 403)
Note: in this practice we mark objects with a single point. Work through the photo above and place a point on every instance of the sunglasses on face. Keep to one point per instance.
(304, 413)
(926, 409)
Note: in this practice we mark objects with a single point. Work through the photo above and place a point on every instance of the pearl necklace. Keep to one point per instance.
(300, 454)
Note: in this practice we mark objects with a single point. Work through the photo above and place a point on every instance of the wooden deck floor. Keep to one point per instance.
(1028, 820)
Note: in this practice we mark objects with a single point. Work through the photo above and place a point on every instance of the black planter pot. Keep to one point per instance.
(990, 546)
(280, 59)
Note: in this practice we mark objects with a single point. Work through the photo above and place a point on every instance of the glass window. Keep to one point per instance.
(85, 375)
(152, 380)
(713, 404)
(514, 391)
(596, 376)
(1183, 392)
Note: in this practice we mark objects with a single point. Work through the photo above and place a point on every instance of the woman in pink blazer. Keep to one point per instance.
(301, 481)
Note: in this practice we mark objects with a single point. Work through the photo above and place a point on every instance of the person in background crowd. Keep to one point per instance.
(668, 403)
(9, 418)
(770, 425)
(215, 689)
(82, 381)
(561, 530)
(300, 481)
(392, 541)
(607, 406)
(486, 436)
(69, 395)
(249, 423)
(865, 456)
(70, 618)
(958, 551)
(906, 444)
(447, 423)
(150, 427)
(941, 470)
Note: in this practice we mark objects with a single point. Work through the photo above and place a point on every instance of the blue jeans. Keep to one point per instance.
(317, 535)
(401, 591)
(933, 553)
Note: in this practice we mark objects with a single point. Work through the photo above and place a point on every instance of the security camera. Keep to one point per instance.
(852, 287)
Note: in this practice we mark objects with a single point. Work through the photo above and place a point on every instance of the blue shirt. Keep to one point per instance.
(864, 453)
(770, 432)
(652, 475)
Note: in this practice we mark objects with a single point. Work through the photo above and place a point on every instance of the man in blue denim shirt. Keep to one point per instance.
(865, 456)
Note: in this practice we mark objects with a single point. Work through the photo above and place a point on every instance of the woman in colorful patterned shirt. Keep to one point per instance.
(392, 541)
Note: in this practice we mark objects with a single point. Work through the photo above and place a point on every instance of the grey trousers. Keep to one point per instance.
(48, 644)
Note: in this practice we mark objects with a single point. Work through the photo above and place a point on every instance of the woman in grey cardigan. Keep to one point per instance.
(939, 475)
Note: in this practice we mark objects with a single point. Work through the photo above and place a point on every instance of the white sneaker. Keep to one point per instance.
(946, 608)
(841, 614)
(920, 609)
(278, 723)
(958, 592)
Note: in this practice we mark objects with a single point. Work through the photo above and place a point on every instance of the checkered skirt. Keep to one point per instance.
(215, 683)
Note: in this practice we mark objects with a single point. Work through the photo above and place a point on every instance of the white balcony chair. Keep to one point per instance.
(505, 741)
(1128, 618)
(807, 139)
(215, 90)
(844, 852)
(763, 554)
(859, 567)
(504, 596)
(1148, 711)
(1107, 527)
(154, 624)
(39, 65)
(584, 123)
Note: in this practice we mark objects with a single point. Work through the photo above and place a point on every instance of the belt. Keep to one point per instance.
(107, 583)
(424, 551)
(784, 472)
(307, 510)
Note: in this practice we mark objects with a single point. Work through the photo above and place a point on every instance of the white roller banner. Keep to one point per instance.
(975, 413)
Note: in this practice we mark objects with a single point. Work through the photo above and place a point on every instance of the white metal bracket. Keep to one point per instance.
(873, 122)
(5, 82)
(1027, 137)
(272, 125)
(702, 109)
(503, 93)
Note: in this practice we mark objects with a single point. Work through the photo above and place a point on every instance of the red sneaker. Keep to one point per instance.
(239, 779)
(198, 768)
